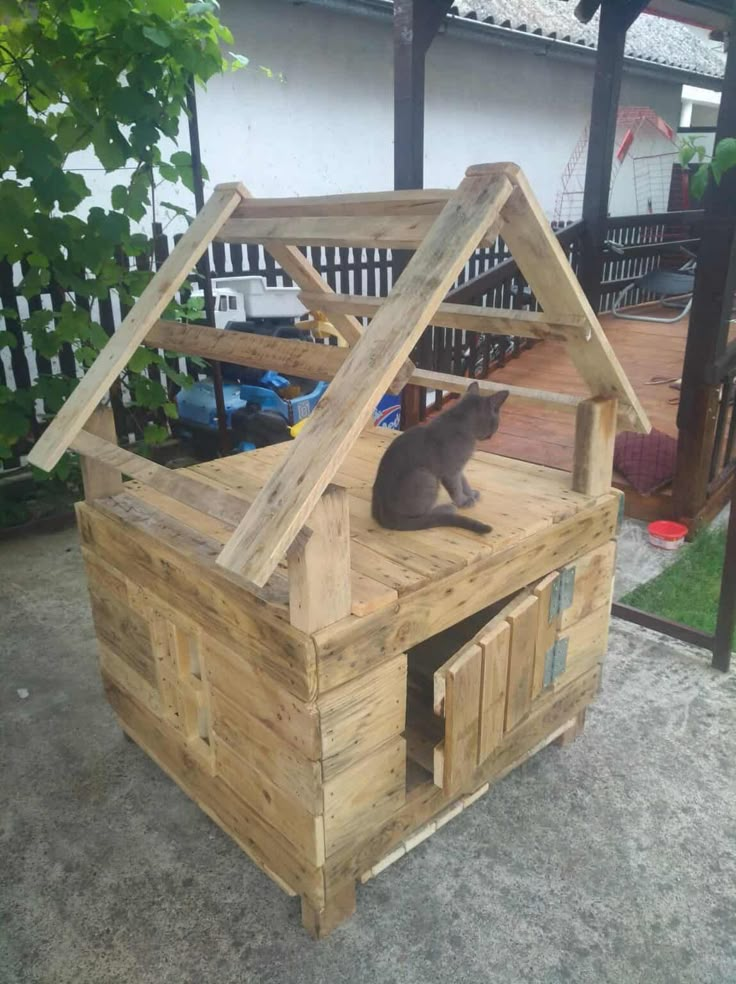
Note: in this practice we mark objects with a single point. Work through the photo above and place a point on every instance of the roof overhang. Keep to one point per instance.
(716, 15)
(473, 30)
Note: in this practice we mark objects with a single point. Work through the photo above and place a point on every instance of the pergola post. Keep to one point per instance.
(416, 23)
(715, 278)
(616, 16)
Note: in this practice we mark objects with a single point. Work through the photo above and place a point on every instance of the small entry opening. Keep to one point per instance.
(424, 730)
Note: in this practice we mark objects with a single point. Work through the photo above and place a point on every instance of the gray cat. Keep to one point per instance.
(410, 472)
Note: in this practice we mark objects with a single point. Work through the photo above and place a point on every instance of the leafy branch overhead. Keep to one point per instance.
(722, 160)
(108, 77)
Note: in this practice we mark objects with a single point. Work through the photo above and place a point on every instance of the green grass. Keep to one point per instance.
(688, 590)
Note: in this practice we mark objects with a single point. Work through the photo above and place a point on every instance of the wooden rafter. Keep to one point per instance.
(115, 355)
(491, 198)
(289, 496)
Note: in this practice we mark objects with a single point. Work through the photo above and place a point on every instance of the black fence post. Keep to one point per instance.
(726, 622)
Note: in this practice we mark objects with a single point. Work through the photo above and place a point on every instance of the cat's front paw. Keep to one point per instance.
(468, 500)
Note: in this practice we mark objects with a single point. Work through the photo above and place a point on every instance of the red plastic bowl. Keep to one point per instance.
(664, 533)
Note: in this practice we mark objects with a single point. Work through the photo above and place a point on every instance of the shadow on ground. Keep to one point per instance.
(611, 861)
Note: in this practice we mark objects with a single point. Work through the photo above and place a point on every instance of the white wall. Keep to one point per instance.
(329, 126)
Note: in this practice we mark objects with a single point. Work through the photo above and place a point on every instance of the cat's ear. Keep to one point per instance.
(473, 389)
(498, 399)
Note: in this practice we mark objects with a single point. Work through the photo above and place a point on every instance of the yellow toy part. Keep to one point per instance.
(295, 429)
(322, 328)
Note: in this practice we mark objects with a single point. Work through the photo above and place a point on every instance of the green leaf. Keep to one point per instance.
(154, 434)
(141, 359)
(159, 37)
(119, 197)
(168, 172)
(686, 154)
(171, 411)
(8, 340)
(699, 181)
(176, 208)
(725, 154)
(14, 424)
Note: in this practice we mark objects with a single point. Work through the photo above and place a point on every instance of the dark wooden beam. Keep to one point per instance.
(416, 23)
(715, 279)
(615, 19)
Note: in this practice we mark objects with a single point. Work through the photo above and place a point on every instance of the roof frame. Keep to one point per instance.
(491, 198)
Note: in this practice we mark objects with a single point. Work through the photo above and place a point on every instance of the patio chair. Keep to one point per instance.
(674, 288)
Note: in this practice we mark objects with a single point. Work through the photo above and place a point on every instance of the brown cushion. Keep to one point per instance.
(647, 461)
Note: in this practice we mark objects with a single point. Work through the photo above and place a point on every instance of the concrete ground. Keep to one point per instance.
(611, 861)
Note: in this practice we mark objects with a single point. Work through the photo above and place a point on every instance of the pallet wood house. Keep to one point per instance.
(330, 692)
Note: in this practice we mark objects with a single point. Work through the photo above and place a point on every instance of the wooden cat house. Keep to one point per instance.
(328, 691)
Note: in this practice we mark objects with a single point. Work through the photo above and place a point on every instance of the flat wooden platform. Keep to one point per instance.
(518, 499)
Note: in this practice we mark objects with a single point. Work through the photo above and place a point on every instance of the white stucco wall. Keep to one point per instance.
(329, 127)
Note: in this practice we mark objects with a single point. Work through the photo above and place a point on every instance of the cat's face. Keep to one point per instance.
(487, 411)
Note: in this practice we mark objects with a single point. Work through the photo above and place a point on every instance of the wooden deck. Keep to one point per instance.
(521, 501)
(646, 350)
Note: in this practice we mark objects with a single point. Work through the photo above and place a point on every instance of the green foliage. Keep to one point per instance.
(110, 76)
(723, 159)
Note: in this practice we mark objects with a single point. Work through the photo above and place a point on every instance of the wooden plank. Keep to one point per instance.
(100, 480)
(279, 808)
(523, 623)
(595, 434)
(180, 485)
(547, 629)
(462, 710)
(404, 231)
(587, 642)
(182, 586)
(265, 751)
(264, 845)
(495, 648)
(351, 647)
(124, 631)
(364, 795)
(310, 361)
(319, 571)
(368, 595)
(362, 714)
(136, 325)
(128, 678)
(545, 267)
(430, 379)
(104, 576)
(291, 493)
(292, 720)
(301, 271)
(424, 201)
(465, 317)
(593, 583)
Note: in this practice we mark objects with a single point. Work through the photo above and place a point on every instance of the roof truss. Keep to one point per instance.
(444, 228)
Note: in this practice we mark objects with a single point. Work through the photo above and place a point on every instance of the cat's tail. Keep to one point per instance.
(439, 516)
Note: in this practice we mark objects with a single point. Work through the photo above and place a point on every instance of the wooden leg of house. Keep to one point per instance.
(595, 433)
(100, 480)
(339, 906)
(577, 726)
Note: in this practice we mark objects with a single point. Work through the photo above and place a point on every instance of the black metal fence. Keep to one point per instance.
(490, 278)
